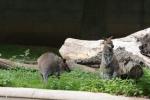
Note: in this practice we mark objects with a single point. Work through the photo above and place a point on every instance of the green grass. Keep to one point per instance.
(75, 80)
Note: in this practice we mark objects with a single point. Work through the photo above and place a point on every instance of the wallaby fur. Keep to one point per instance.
(109, 66)
(50, 64)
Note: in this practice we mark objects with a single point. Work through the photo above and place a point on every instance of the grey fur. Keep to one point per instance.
(50, 64)
(109, 66)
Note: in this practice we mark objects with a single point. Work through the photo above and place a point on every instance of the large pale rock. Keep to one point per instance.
(80, 49)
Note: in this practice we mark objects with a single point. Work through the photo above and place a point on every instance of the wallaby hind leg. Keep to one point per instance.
(105, 76)
(115, 74)
(45, 77)
(41, 76)
(58, 72)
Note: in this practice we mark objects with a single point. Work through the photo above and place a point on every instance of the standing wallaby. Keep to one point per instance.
(109, 65)
(49, 64)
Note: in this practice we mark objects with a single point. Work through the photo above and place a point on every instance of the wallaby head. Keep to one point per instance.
(64, 66)
(108, 43)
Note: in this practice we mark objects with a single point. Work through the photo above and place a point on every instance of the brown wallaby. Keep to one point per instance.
(50, 64)
(109, 66)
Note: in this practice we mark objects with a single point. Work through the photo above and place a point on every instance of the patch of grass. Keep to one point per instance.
(144, 82)
(76, 80)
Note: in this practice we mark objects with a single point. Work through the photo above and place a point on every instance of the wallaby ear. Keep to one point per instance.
(110, 37)
(105, 39)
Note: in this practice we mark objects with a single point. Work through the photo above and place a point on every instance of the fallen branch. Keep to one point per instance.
(5, 64)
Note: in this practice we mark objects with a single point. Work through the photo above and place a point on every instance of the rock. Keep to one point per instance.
(129, 64)
(80, 49)
(94, 60)
(73, 49)
(145, 45)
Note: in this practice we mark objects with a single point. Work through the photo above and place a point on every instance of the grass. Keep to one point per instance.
(75, 80)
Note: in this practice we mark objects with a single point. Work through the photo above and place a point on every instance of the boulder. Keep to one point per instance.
(74, 49)
(145, 45)
(130, 66)
(80, 49)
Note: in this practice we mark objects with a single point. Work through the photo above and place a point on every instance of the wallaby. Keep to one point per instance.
(50, 64)
(109, 66)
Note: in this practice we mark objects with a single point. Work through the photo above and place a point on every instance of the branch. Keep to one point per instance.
(5, 64)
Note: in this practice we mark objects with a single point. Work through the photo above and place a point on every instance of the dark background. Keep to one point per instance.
(50, 22)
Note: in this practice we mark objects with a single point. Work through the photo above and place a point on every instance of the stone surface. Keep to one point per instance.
(129, 64)
(80, 49)
(145, 45)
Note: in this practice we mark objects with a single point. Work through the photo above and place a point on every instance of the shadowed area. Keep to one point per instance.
(50, 22)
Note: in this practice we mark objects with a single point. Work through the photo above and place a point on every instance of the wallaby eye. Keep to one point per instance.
(112, 46)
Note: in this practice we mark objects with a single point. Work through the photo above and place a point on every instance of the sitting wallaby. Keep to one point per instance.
(50, 64)
(109, 66)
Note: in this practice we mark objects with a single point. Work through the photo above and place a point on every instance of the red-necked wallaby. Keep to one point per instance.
(50, 64)
(109, 65)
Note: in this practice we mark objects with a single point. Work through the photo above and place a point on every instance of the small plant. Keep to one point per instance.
(4, 81)
(22, 57)
(26, 54)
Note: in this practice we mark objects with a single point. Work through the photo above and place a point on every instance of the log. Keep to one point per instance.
(5, 64)
(73, 65)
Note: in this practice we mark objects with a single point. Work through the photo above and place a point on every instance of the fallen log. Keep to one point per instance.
(5, 64)
(73, 65)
